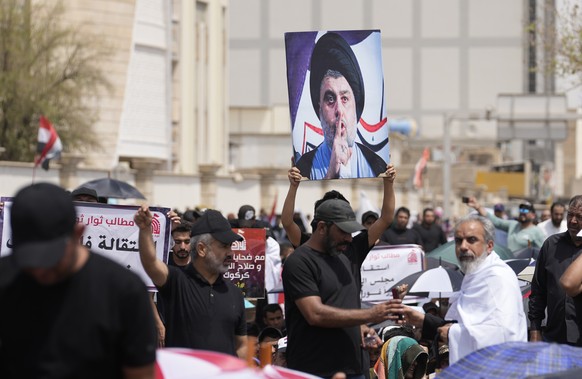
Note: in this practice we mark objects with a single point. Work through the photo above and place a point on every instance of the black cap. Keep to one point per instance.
(369, 214)
(43, 218)
(269, 331)
(340, 213)
(246, 212)
(332, 52)
(85, 191)
(217, 225)
(527, 206)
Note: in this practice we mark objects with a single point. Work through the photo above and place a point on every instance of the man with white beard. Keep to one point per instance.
(488, 309)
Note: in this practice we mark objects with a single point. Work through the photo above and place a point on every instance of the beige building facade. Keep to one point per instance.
(198, 115)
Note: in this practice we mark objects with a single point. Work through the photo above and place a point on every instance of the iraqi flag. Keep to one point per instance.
(49, 144)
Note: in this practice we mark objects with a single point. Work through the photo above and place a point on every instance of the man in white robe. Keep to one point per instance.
(488, 309)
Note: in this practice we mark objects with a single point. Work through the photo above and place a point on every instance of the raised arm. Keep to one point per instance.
(156, 269)
(388, 205)
(473, 203)
(497, 222)
(291, 228)
(571, 279)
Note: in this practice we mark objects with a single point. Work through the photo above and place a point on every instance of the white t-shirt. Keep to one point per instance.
(548, 227)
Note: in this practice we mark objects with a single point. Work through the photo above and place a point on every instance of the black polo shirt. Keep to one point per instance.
(200, 315)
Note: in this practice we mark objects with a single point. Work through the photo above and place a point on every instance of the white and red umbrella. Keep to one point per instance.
(175, 363)
(276, 372)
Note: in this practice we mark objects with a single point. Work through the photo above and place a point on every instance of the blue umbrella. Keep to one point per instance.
(515, 360)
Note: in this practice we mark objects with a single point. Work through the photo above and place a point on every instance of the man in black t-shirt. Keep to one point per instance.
(202, 309)
(430, 233)
(64, 312)
(321, 297)
(398, 233)
(180, 251)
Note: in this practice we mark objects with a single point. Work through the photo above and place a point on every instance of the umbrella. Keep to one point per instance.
(174, 363)
(113, 188)
(518, 265)
(436, 262)
(438, 279)
(515, 360)
(447, 252)
(528, 272)
(452, 270)
(181, 363)
(276, 372)
(527, 252)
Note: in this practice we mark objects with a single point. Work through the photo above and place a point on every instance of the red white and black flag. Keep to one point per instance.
(49, 144)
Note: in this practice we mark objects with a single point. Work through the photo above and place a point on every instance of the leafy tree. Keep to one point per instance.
(568, 57)
(558, 33)
(48, 67)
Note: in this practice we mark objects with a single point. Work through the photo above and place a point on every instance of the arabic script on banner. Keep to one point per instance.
(386, 265)
(109, 231)
(247, 270)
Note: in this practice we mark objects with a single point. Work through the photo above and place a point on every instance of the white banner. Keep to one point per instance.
(109, 231)
(385, 266)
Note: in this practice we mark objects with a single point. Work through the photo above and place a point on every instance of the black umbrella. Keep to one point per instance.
(527, 252)
(453, 278)
(113, 188)
(518, 265)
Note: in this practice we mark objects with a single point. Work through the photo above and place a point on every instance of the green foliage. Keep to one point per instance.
(47, 67)
(559, 38)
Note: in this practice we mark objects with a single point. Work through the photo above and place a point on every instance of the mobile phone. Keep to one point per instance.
(465, 199)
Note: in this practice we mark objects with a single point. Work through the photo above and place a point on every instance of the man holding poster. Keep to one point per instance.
(337, 92)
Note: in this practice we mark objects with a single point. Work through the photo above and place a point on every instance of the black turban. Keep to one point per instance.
(332, 52)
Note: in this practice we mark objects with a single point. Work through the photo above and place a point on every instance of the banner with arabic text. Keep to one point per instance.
(109, 231)
(385, 266)
(247, 271)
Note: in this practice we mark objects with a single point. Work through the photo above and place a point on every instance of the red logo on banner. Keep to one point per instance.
(412, 258)
(156, 227)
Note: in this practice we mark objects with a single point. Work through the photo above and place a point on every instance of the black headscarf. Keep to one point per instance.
(332, 52)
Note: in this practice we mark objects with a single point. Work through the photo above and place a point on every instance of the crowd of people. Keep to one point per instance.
(321, 326)
(66, 312)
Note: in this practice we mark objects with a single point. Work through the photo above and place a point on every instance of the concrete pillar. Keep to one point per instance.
(268, 187)
(208, 184)
(144, 175)
(69, 167)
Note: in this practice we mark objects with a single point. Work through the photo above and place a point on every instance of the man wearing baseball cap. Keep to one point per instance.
(321, 297)
(202, 309)
(521, 233)
(68, 313)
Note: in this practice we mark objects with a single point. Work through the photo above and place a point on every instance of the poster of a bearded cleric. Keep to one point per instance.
(337, 105)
